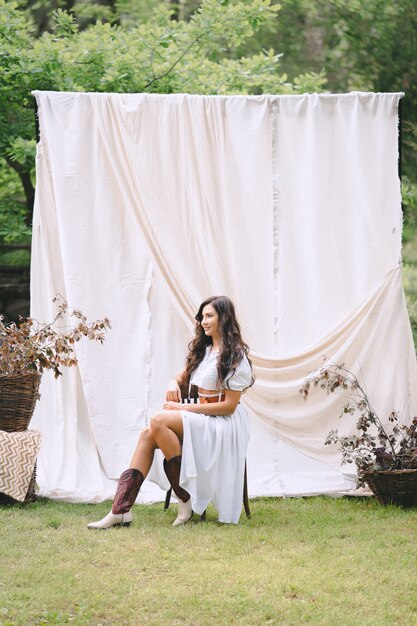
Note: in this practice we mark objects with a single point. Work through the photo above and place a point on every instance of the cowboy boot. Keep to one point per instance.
(172, 470)
(127, 490)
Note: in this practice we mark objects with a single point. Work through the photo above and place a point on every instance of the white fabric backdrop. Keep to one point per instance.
(147, 204)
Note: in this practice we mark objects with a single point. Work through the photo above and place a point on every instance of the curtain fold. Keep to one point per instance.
(146, 204)
(374, 341)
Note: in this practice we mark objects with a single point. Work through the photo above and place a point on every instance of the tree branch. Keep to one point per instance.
(177, 61)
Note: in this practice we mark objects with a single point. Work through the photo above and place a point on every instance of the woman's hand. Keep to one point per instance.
(173, 393)
(173, 406)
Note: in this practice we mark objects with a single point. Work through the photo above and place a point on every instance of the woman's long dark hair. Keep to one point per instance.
(232, 347)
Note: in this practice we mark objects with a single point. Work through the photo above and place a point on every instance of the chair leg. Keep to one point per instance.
(167, 499)
(245, 494)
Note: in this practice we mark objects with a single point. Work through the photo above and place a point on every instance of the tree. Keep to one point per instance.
(364, 46)
(117, 54)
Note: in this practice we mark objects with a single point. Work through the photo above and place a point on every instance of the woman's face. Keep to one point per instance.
(210, 321)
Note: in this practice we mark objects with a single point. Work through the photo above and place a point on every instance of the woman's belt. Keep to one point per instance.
(206, 398)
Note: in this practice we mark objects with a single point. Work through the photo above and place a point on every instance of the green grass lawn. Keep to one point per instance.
(315, 560)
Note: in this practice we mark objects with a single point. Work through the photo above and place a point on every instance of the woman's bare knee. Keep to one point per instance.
(157, 422)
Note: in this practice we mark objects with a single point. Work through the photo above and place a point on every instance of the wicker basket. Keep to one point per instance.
(394, 486)
(18, 395)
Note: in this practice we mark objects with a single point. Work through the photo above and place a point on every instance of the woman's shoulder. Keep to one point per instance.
(242, 362)
(240, 377)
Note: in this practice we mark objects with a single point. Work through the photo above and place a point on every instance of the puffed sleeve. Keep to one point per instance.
(241, 378)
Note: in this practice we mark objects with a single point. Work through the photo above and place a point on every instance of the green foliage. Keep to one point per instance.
(105, 57)
(134, 12)
(15, 40)
(212, 47)
(410, 284)
(16, 258)
(12, 223)
(12, 210)
(409, 199)
(22, 151)
(409, 185)
(131, 47)
(87, 13)
(64, 24)
(366, 46)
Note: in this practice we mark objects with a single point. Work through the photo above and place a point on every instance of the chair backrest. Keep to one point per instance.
(189, 395)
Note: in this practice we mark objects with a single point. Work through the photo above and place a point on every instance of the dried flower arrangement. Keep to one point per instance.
(30, 346)
(373, 448)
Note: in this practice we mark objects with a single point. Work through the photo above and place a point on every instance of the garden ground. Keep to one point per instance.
(316, 560)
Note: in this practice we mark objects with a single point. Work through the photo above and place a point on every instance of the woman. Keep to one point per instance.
(205, 444)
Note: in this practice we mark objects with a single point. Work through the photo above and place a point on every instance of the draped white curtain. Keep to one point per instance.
(147, 204)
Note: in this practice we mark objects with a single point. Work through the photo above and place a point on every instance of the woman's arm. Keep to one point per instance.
(225, 407)
(173, 393)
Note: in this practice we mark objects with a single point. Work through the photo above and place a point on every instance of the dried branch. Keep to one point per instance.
(397, 447)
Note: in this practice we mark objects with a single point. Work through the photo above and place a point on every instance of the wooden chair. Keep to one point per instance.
(191, 397)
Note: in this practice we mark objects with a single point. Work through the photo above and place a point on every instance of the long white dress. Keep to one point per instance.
(214, 446)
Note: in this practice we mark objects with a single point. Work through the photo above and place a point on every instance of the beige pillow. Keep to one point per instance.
(18, 453)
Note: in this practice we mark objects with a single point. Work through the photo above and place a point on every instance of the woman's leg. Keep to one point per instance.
(167, 432)
(131, 480)
(143, 456)
(129, 484)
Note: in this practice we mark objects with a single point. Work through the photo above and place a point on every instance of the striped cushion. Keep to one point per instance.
(18, 453)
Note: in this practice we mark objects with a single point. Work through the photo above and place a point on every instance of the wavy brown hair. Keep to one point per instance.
(232, 347)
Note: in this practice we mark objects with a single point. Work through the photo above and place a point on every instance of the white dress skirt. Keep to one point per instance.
(214, 446)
